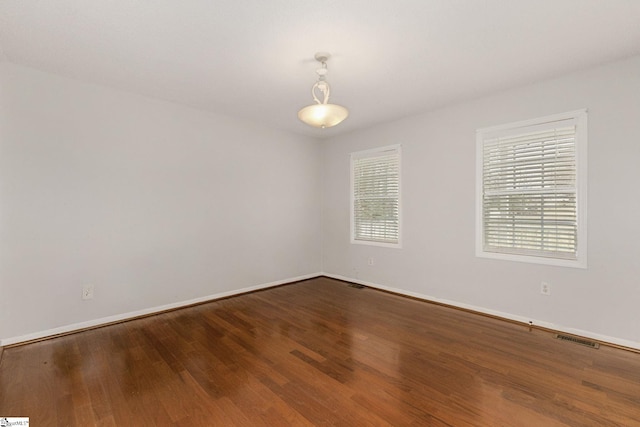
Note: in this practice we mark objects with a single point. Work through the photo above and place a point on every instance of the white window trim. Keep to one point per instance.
(373, 153)
(580, 117)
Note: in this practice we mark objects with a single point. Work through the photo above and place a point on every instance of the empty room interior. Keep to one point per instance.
(320, 213)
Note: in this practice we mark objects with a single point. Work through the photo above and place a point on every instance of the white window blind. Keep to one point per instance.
(530, 193)
(376, 196)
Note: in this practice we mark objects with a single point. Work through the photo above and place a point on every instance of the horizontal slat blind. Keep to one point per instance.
(376, 191)
(529, 193)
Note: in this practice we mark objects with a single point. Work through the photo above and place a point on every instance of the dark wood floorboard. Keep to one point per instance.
(318, 353)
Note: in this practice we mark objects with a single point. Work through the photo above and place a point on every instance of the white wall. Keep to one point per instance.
(157, 204)
(152, 203)
(438, 261)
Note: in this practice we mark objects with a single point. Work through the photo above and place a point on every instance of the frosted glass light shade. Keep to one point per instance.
(323, 115)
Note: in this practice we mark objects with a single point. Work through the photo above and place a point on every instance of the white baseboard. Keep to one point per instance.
(508, 316)
(131, 315)
(145, 312)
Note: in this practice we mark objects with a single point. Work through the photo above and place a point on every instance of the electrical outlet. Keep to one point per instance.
(87, 292)
(545, 288)
(370, 261)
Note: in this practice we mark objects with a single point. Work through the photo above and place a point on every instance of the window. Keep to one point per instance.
(375, 196)
(531, 187)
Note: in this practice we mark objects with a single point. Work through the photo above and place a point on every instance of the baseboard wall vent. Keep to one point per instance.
(581, 341)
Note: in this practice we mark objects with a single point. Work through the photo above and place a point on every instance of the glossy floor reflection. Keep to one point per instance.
(318, 353)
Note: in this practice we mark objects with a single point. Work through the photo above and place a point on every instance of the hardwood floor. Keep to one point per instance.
(318, 352)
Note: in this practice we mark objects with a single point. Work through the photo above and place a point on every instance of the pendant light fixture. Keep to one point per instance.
(322, 114)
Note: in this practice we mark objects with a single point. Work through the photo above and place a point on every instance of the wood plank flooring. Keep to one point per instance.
(318, 353)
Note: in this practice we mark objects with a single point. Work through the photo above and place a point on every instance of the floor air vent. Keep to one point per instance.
(580, 341)
(355, 285)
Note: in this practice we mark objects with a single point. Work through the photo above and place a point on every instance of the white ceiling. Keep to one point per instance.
(253, 59)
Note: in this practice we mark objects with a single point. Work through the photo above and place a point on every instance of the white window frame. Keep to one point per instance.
(579, 118)
(376, 152)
